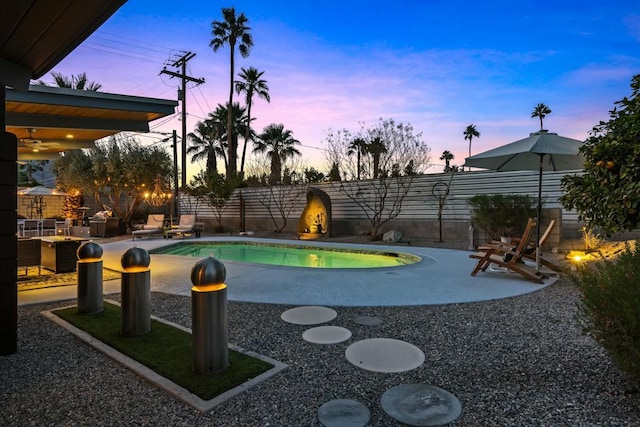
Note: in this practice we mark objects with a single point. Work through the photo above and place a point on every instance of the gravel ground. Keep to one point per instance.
(519, 361)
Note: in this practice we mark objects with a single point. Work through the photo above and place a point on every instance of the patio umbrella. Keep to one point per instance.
(543, 151)
(40, 191)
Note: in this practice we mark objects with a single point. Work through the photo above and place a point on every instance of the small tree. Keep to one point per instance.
(381, 194)
(121, 170)
(279, 200)
(313, 175)
(334, 172)
(607, 195)
(214, 191)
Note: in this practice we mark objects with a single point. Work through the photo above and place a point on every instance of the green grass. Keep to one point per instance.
(166, 350)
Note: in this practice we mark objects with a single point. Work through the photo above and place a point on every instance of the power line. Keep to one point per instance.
(144, 43)
(132, 54)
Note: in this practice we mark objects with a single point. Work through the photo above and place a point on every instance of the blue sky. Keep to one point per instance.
(334, 65)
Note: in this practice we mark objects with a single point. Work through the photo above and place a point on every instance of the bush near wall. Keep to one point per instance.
(501, 215)
(609, 308)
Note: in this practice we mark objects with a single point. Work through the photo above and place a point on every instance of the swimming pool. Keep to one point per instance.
(289, 255)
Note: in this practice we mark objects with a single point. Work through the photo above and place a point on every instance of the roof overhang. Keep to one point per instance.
(35, 35)
(49, 120)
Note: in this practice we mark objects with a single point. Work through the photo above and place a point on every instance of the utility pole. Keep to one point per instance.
(176, 202)
(182, 96)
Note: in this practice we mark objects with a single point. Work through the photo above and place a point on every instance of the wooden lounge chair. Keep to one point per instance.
(154, 225)
(529, 251)
(186, 226)
(511, 263)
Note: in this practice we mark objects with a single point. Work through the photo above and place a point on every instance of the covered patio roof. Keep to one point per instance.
(49, 120)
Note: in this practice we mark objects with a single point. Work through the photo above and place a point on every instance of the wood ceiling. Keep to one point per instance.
(49, 120)
(37, 34)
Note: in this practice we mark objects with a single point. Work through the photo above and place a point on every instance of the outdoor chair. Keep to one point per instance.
(48, 227)
(64, 227)
(30, 227)
(529, 251)
(29, 254)
(186, 226)
(154, 225)
(513, 262)
(102, 224)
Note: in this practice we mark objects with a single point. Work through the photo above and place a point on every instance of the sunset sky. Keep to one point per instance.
(439, 66)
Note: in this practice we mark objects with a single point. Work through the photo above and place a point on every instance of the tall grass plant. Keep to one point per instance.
(609, 308)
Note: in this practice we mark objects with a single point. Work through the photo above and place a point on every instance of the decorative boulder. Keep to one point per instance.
(392, 236)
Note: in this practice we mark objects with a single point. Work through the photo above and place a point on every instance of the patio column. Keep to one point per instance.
(8, 241)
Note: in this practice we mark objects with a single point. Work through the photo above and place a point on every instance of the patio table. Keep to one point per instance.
(59, 253)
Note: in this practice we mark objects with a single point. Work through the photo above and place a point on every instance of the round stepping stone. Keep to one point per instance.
(343, 413)
(421, 405)
(326, 335)
(384, 355)
(368, 320)
(308, 315)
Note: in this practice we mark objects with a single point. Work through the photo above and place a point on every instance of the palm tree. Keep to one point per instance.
(207, 144)
(469, 133)
(541, 112)
(251, 84)
(278, 143)
(79, 82)
(447, 156)
(358, 146)
(376, 148)
(232, 30)
(218, 120)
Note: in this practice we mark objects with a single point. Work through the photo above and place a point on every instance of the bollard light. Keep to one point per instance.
(89, 268)
(136, 292)
(209, 323)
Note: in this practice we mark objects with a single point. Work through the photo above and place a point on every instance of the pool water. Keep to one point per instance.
(289, 255)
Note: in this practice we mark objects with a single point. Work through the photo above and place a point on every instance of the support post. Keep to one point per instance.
(136, 293)
(89, 267)
(209, 317)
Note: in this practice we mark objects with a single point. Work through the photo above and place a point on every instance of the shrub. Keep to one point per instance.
(502, 214)
(609, 308)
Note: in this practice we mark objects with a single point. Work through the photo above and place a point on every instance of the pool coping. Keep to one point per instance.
(447, 281)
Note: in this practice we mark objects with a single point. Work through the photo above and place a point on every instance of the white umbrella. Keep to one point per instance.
(40, 191)
(541, 151)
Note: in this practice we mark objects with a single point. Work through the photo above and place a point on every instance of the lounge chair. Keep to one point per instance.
(513, 262)
(154, 225)
(529, 251)
(186, 226)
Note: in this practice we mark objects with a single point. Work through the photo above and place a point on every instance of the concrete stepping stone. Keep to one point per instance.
(421, 405)
(326, 335)
(384, 355)
(308, 315)
(368, 320)
(343, 413)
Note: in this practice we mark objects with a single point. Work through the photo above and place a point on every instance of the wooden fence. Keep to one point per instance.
(418, 216)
